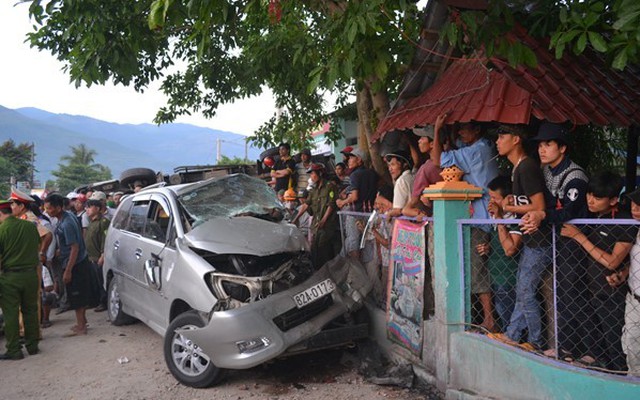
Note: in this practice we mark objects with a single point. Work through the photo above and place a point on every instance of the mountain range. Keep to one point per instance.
(118, 146)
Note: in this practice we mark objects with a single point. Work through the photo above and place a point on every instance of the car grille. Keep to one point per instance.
(298, 316)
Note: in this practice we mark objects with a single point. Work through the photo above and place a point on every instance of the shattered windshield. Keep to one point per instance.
(232, 196)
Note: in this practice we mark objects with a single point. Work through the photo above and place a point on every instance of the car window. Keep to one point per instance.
(231, 196)
(122, 215)
(158, 222)
(138, 217)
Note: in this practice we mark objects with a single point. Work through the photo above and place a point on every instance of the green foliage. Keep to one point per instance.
(608, 27)
(212, 52)
(5, 173)
(19, 161)
(595, 148)
(79, 169)
(224, 160)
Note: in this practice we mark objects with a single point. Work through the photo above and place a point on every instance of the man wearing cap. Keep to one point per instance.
(427, 175)
(94, 238)
(77, 268)
(21, 204)
(78, 206)
(321, 204)
(476, 157)
(284, 168)
(101, 197)
(345, 158)
(19, 245)
(361, 196)
(20, 209)
(399, 166)
(528, 195)
(116, 199)
(301, 170)
(565, 199)
(631, 330)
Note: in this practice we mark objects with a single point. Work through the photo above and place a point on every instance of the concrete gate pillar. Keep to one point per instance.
(451, 199)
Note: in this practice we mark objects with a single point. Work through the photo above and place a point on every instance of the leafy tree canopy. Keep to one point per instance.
(210, 52)
(609, 27)
(224, 160)
(20, 161)
(79, 169)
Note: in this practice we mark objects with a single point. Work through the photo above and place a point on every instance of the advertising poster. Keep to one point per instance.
(406, 285)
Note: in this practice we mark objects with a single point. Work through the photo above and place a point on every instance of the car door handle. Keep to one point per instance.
(138, 254)
(116, 244)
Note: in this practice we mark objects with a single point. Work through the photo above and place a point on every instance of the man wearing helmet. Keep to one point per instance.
(321, 204)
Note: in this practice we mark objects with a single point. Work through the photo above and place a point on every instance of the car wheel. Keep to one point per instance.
(114, 306)
(185, 359)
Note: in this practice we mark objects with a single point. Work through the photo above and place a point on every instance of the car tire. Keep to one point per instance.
(185, 360)
(129, 176)
(114, 306)
(272, 152)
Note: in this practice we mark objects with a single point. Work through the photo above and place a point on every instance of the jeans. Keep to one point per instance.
(504, 300)
(526, 314)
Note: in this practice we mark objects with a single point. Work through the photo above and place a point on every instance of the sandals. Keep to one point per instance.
(564, 355)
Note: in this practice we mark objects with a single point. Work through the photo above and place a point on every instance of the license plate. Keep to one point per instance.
(314, 293)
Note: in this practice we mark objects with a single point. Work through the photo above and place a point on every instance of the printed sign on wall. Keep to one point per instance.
(405, 300)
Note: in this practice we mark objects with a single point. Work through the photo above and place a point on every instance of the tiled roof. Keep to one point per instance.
(580, 89)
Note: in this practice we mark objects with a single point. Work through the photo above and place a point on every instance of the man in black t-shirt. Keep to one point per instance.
(528, 195)
(360, 198)
(608, 247)
(284, 168)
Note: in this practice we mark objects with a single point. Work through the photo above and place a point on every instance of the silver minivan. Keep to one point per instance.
(213, 267)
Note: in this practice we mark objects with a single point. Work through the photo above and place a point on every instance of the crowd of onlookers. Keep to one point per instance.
(567, 291)
(51, 254)
(587, 312)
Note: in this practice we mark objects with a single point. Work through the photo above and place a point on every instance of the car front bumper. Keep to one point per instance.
(257, 322)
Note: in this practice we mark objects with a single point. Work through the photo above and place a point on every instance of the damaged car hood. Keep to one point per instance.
(246, 235)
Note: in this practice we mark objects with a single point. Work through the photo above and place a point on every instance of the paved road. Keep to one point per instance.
(87, 367)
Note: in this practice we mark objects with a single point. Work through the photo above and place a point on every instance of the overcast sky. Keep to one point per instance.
(29, 78)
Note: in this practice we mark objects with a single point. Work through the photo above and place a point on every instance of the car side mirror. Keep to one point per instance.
(153, 273)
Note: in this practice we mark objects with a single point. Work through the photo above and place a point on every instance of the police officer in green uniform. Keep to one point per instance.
(321, 204)
(19, 244)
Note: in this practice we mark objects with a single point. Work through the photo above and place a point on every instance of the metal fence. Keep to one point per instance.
(562, 292)
(373, 250)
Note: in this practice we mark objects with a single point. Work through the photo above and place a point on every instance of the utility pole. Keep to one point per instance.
(218, 151)
(33, 164)
(246, 150)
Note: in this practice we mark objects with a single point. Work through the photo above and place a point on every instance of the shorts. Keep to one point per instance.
(82, 291)
(480, 280)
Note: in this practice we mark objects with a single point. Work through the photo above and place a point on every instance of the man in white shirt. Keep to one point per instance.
(631, 330)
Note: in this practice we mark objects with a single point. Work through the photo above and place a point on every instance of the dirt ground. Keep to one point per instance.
(88, 367)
